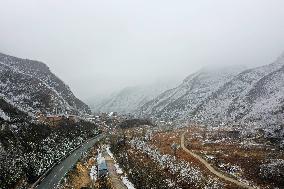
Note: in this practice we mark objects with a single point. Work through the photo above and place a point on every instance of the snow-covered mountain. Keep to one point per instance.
(180, 101)
(28, 148)
(229, 95)
(129, 99)
(32, 87)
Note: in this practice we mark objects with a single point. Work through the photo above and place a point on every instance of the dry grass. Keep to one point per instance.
(79, 176)
(228, 151)
(163, 142)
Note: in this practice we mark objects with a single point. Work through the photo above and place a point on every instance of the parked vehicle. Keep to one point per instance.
(102, 169)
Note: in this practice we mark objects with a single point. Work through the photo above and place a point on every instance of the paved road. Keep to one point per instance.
(59, 171)
(210, 168)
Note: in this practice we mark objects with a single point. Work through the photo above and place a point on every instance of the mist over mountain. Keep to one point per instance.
(29, 146)
(231, 95)
(190, 93)
(129, 99)
(142, 94)
(32, 87)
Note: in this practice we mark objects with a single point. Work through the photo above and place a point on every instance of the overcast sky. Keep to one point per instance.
(99, 46)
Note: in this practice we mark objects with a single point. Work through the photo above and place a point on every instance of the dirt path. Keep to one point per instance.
(115, 179)
(210, 168)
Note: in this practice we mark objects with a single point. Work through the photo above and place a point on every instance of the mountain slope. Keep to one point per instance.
(28, 148)
(131, 98)
(32, 87)
(253, 96)
(184, 99)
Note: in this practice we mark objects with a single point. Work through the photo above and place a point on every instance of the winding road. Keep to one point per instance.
(210, 168)
(58, 172)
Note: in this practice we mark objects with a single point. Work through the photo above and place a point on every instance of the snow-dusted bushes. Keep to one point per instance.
(31, 149)
(183, 170)
(142, 173)
(273, 171)
(4, 116)
(94, 173)
(149, 168)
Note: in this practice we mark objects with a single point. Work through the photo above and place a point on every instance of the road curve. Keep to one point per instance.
(58, 172)
(210, 168)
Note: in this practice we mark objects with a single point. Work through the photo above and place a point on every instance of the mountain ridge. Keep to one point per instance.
(30, 85)
(253, 96)
(129, 99)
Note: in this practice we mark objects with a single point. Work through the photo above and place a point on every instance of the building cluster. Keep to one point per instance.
(54, 120)
(107, 122)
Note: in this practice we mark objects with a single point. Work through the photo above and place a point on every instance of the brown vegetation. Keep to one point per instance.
(164, 140)
(79, 177)
(247, 154)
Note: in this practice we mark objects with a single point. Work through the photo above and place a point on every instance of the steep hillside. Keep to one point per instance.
(253, 96)
(131, 98)
(10, 114)
(184, 99)
(32, 87)
(28, 149)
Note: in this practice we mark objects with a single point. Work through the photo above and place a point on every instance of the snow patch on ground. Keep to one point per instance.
(4, 116)
(125, 180)
(118, 169)
(209, 157)
(100, 158)
(93, 173)
(109, 152)
(127, 183)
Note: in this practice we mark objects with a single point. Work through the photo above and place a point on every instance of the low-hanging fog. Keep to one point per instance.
(100, 46)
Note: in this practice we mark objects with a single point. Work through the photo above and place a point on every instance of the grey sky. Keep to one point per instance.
(99, 46)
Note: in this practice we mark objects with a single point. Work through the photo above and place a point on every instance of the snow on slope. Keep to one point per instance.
(185, 98)
(31, 86)
(248, 97)
(253, 96)
(4, 116)
(131, 98)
